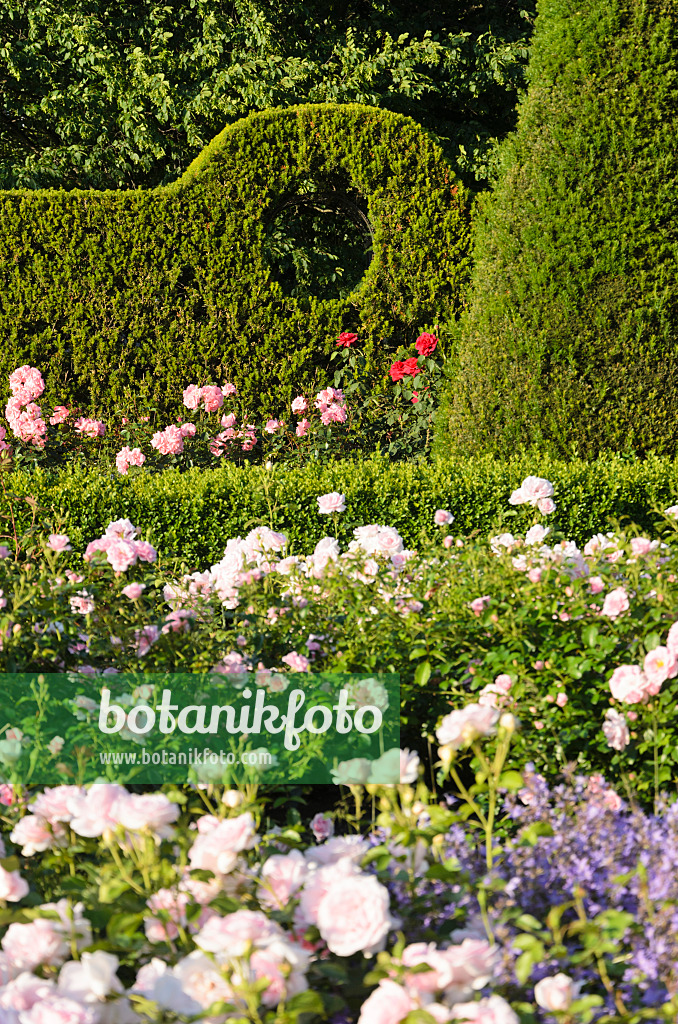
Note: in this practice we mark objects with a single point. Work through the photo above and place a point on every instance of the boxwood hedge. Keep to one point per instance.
(191, 515)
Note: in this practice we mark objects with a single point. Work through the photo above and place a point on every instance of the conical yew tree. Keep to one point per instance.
(569, 342)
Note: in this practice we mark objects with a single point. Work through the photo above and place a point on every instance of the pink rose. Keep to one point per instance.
(555, 993)
(616, 730)
(59, 542)
(89, 427)
(546, 506)
(299, 405)
(59, 1010)
(659, 665)
(134, 590)
(169, 441)
(479, 604)
(460, 728)
(146, 811)
(672, 640)
(231, 935)
(60, 415)
(493, 1010)
(332, 502)
(615, 603)
(192, 396)
(354, 916)
(32, 833)
(213, 398)
(388, 1004)
(322, 827)
(217, 848)
(596, 584)
(443, 518)
(629, 684)
(561, 700)
(532, 490)
(187, 429)
(282, 876)
(297, 662)
(273, 426)
(228, 421)
(38, 942)
(12, 886)
(303, 427)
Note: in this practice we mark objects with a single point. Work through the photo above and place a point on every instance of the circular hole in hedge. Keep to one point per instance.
(319, 243)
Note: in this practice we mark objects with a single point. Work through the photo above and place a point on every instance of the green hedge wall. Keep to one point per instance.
(191, 515)
(123, 299)
(570, 343)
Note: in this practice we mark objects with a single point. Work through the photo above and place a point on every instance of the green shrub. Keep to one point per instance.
(123, 299)
(569, 344)
(191, 515)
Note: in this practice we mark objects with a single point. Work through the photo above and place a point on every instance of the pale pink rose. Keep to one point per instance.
(12, 886)
(493, 1010)
(32, 834)
(303, 427)
(59, 542)
(641, 546)
(121, 554)
(546, 506)
(94, 811)
(537, 534)
(503, 682)
(20, 992)
(228, 389)
(629, 684)
(297, 662)
(187, 429)
(146, 811)
(556, 993)
(354, 916)
(561, 700)
(443, 518)
(4, 551)
(615, 603)
(231, 935)
(282, 876)
(60, 415)
(448, 542)
(388, 541)
(7, 798)
(122, 528)
(460, 728)
(659, 665)
(332, 502)
(439, 975)
(409, 766)
(596, 584)
(56, 745)
(388, 1004)
(145, 638)
(38, 942)
(273, 964)
(299, 405)
(322, 827)
(145, 551)
(54, 804)
(532, 490)
(228, 421)
(133, 590)
(479, 604)
(58, 1010)
(90, 979)
(672, 640)
(192, 396)
(355, 771)
(616, 730)
(174, 904)
(213, 398)
(217, 848)
(471, 964)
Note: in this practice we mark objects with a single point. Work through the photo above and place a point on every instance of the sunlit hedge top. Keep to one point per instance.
(124, 298)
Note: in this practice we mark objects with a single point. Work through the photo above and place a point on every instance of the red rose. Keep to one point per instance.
(411, 367)
(425, 344)
(345, 340)
(398, 371)
(415, 397)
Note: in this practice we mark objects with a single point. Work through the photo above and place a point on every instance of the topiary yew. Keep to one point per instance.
(124, 298)
(570, 341)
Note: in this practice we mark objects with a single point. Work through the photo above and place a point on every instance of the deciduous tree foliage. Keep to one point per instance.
(96, 94)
